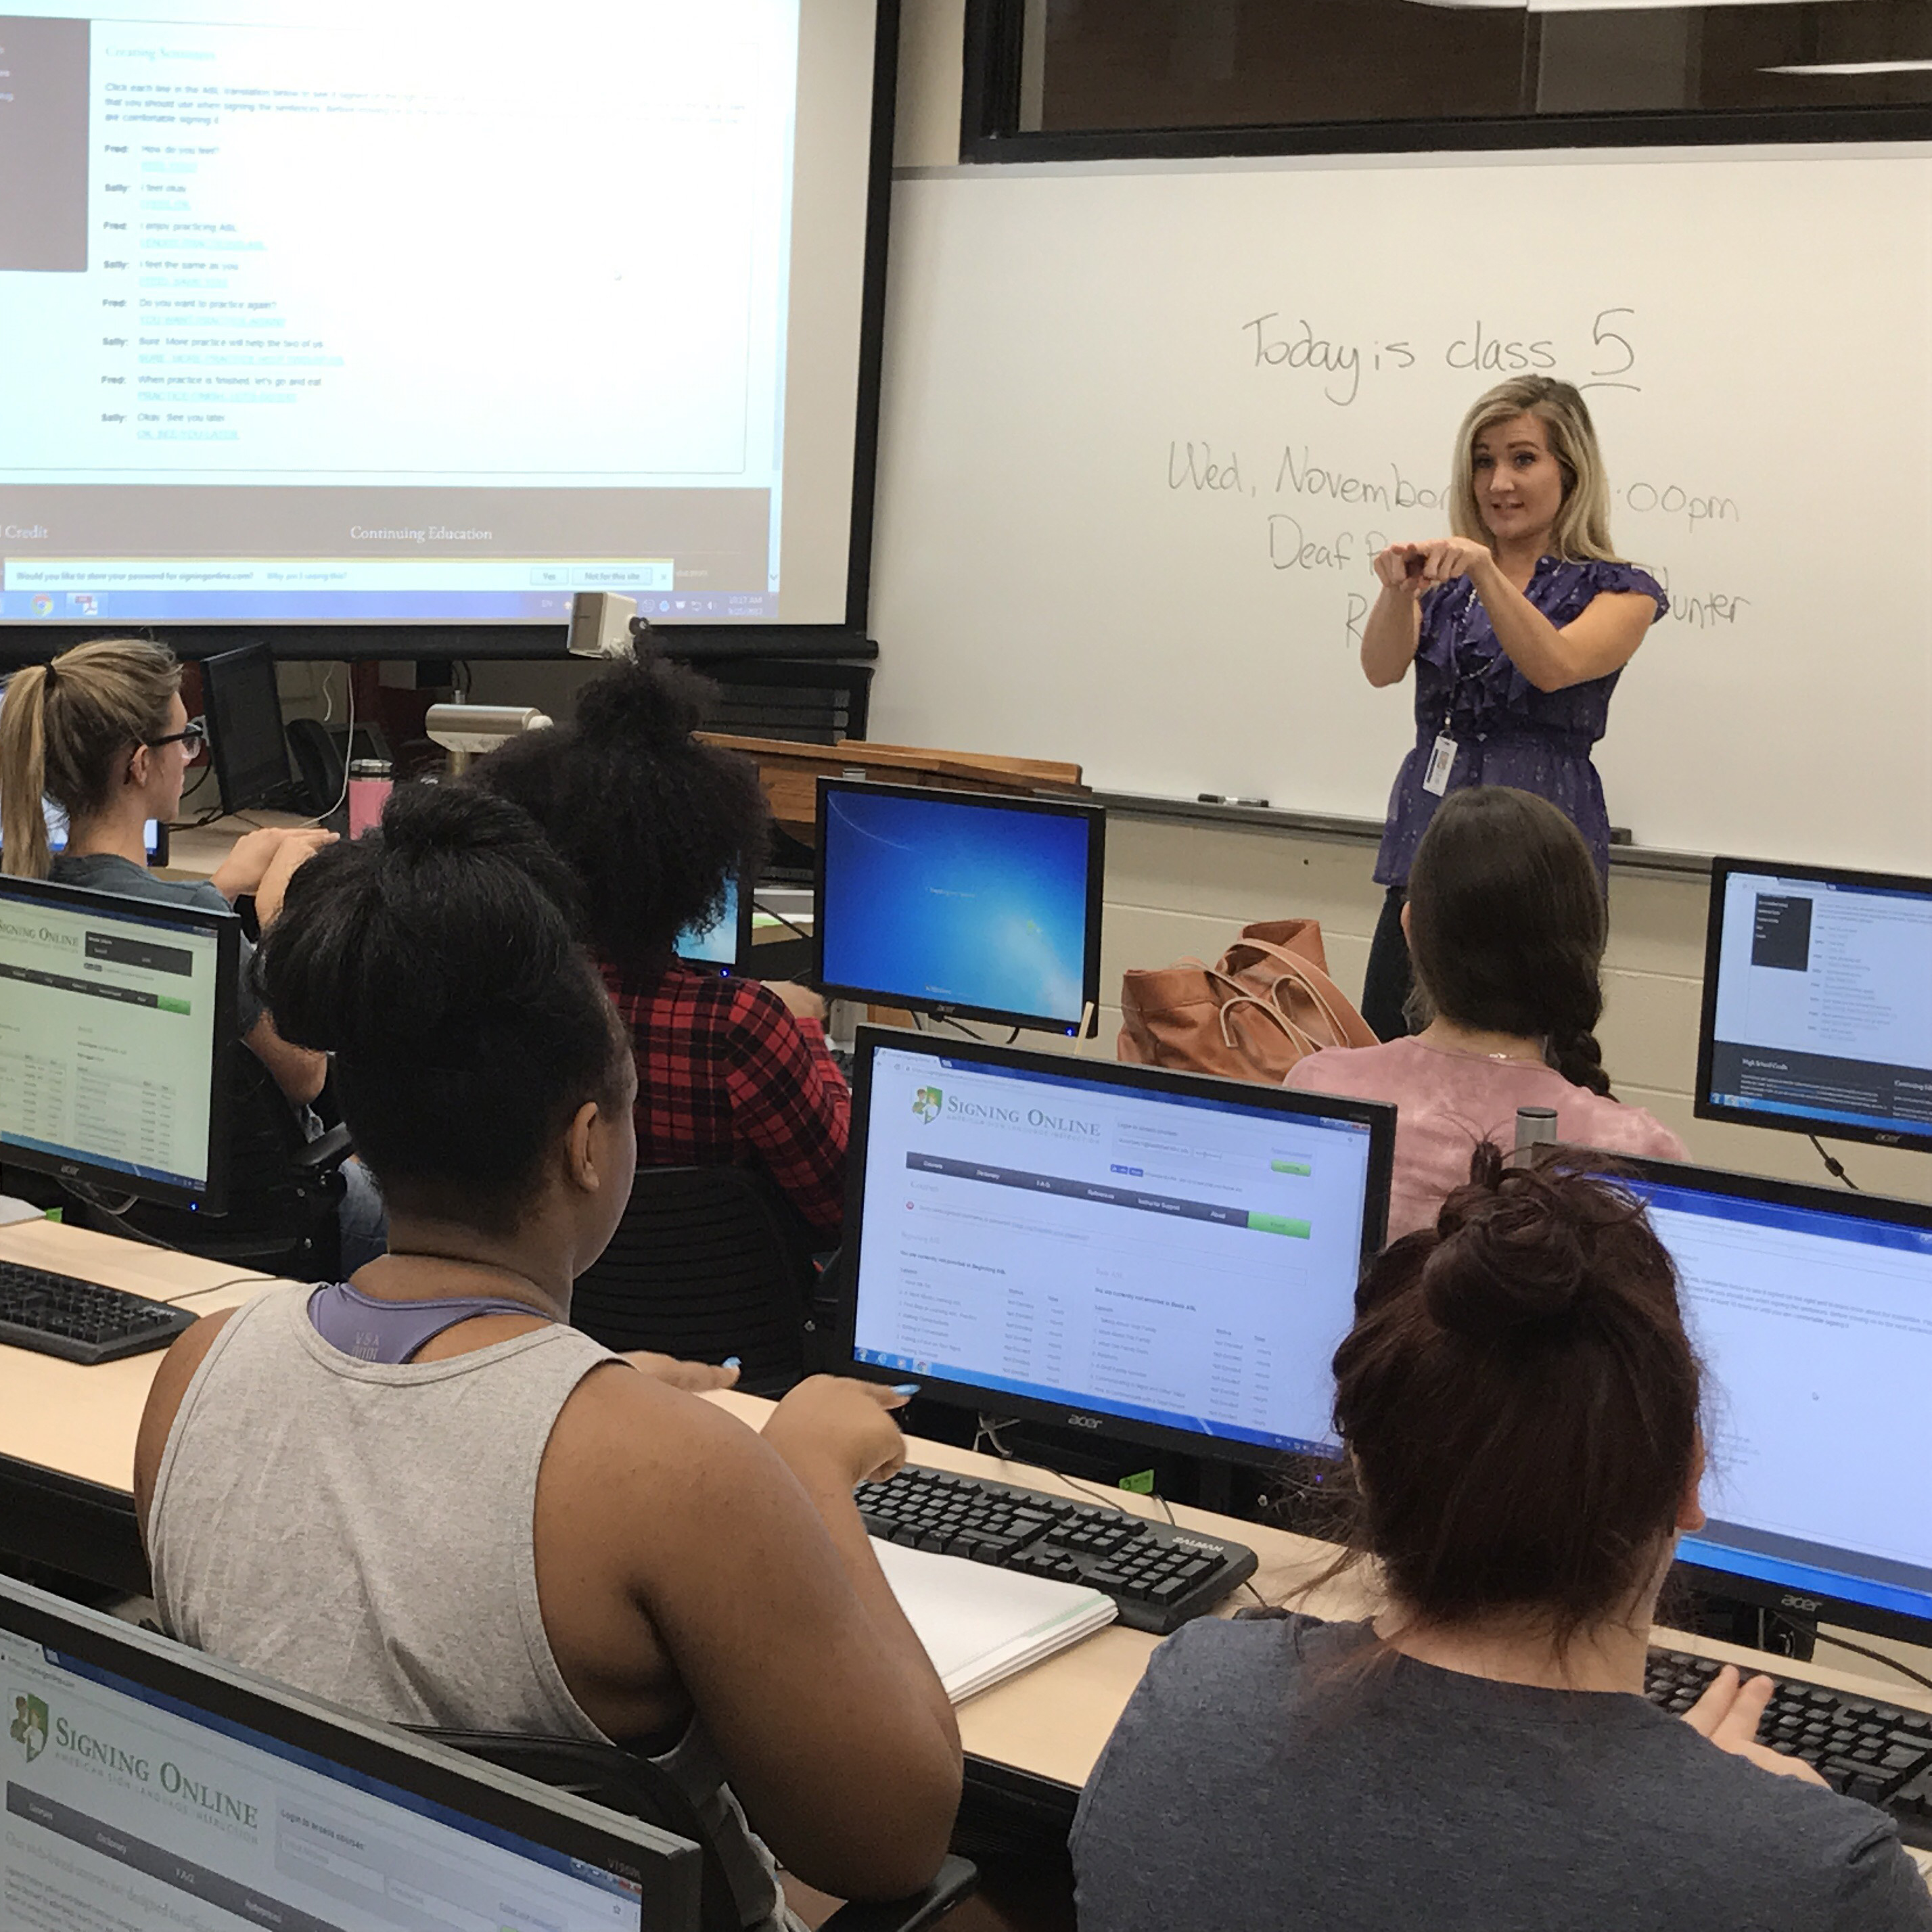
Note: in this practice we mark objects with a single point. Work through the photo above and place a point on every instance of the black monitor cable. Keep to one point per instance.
(1833, 1165)
(1844, 1643)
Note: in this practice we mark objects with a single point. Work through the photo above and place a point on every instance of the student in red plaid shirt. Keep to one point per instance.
(654, 823)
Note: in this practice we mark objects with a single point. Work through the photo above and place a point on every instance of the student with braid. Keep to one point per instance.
(1506, 924)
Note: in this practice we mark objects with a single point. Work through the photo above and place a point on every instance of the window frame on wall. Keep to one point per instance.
(990, 127)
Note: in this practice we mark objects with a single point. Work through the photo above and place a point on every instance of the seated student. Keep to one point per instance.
(101, 730)
(1506, 925)
(653, 824)
(1519, 1404)
(424, 1495)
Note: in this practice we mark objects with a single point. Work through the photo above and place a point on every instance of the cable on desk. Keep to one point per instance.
(988, 1431)
(1844, 1643)
(1833, 1165)
(1256, 1594)
(769, 912)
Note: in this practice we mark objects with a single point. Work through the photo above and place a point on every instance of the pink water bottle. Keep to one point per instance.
(369, 783)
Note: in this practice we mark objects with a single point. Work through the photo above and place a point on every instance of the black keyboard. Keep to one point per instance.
(1159, 1575)
(1863, 1748)
(55, 1314)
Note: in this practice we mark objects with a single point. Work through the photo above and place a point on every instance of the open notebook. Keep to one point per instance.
(981, 1625)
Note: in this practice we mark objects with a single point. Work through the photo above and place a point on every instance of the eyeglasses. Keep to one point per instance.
(193, 737)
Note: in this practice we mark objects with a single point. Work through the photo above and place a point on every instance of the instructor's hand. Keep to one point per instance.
(1449, 558)
(1400, 567)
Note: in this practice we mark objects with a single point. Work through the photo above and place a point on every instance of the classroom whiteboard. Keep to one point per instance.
(1145, 425)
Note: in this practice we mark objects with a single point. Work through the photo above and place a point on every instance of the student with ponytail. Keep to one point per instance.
(423, 1494)
(101, 730)
(1506, 924)
(1519, 1407)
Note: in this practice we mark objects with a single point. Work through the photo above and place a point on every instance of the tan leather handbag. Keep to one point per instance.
(1267, 1004)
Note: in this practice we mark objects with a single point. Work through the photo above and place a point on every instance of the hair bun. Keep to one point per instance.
(1513, 1257)
(648, 700)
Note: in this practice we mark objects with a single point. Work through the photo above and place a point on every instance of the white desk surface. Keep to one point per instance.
(1051, 1723)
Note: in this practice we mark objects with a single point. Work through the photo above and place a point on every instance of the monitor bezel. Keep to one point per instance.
(1704, 1108)
(1088, 1024)
(212, 1199)
(235, 797)
(1875, 1621)
(1100, 1423)
(739, 967)
(668, 1868)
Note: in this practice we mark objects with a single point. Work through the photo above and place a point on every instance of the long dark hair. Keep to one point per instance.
(1507, 925)
(1519, 1402)
(435, 960)
(651, 822)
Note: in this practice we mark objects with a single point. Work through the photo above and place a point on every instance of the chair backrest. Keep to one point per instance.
(281, 1209)
(707, 1262)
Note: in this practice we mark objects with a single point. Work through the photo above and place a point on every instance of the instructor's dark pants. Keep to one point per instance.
(1386, 985)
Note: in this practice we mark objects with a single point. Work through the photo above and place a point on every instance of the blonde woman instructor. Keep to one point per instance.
(1518, 625)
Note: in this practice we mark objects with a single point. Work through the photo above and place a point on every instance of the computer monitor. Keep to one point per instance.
(725, 944)
(153, 833)
(116, 1023)
(960, 904)
(1153, 1255)
(246, 739)
(1811, 1309)
(147, 1785)
(1818, 1003)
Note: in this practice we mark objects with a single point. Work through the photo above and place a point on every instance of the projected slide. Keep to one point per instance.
(414, 313)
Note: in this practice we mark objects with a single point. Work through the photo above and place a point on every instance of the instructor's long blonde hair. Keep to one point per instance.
(1582, 531)
(65, 728)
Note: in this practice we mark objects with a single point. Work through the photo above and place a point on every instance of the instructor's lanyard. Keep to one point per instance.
(1442, 755)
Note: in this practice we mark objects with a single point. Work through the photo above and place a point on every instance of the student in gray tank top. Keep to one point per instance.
(1519, 1405)
(422, 1494)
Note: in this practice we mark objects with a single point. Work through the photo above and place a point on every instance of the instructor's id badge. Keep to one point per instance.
(1442, 763)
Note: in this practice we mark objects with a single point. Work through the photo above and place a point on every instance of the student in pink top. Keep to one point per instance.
(1506, 924)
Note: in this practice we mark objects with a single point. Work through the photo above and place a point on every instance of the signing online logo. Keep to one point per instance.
(29, 1727)
(926, 1102)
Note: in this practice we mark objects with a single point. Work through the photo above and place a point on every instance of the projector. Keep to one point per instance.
(600, 624)
(464, 730)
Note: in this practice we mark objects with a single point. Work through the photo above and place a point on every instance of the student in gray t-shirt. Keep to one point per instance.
(1520, 1406)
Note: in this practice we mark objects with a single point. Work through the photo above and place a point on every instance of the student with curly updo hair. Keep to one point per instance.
(654, 824)
(1518, 1405)
(1506, 924)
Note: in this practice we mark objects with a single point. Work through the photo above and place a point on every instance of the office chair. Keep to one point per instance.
(283, 1188)
(707, 1262)
(608, 1775)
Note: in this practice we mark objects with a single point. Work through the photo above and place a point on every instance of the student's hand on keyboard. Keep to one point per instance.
(1728, 1714)
(836, 1419)
(696, 1377)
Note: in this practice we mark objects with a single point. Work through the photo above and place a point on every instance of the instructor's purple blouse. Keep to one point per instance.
(1506, 732)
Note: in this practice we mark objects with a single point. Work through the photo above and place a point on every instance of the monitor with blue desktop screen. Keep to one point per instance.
(1818, 1003)
(1812, 1312)
(961, 904)
(117, 1016)
(1156, 1255)
(148, 1785)
(725, 941)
